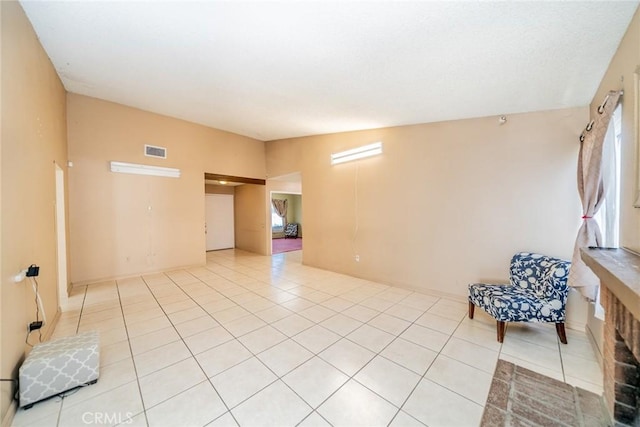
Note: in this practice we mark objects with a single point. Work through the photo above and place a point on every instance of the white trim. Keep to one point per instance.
(61, 241)
(357, 153)
(636, 130)
(144, 170)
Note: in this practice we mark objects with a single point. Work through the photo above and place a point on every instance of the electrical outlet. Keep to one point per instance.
(34, 326)
(357, 258)
(33, 270)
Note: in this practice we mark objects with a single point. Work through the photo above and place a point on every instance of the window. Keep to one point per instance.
(276, 221)
(608, 216)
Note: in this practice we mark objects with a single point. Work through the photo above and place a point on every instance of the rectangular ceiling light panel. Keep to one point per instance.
(357, 153)
(144, 170)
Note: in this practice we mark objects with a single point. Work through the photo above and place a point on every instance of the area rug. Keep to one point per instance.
(519, 396)
(286, 245)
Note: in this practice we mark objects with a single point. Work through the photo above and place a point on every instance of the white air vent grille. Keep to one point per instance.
(153, 151)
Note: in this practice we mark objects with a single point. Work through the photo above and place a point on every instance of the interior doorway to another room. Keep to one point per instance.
(286, 230)
(286, 222)
(286, 213)
(234, 213)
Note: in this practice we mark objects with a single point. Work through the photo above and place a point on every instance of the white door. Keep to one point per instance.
(219, 221)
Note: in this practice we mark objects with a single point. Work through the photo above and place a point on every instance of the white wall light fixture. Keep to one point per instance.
(144, 170)
(357, 153)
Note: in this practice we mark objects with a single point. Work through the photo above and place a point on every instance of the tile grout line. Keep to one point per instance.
(315, 354)
(251, 352)
(187, 347)
(135, 368)
(278, 378)
(316, 323)
(422, 377)
(352, 377)
(253, 277)
(84, 298)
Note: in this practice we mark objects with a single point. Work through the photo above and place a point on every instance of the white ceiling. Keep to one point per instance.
(278, 69)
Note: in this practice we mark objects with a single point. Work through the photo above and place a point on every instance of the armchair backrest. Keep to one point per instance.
(542, 275)
(292, 226)
(291, 229)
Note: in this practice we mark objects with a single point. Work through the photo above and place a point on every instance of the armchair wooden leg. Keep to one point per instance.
(561, 333)
(471, 309)
(501, 327)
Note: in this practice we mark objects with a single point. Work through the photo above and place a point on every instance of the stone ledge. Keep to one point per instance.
(619, 271)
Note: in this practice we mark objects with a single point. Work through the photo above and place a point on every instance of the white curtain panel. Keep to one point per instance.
(609, 215)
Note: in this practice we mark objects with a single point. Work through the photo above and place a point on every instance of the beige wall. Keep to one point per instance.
(33, 138)
(446, 204)
(249, 217)
(124, 224)
(620, 75)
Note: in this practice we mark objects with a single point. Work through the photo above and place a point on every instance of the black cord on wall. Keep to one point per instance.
(35, 281)
(37, 310)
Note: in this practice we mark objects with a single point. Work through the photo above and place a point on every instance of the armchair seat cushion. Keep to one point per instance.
(508, 303)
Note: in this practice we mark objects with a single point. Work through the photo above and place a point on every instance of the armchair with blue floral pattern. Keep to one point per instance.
(537, 293)
(291, 230)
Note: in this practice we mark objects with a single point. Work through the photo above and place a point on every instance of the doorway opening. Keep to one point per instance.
(286, 213)
(233, 213)
(286, 222)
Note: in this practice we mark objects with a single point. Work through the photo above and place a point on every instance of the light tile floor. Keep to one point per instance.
(265, 341)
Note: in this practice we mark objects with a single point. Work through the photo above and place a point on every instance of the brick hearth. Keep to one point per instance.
(520, 397)
(621, 353)
(619, 273)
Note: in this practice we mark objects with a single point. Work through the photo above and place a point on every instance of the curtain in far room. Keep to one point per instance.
(592, 190)
(280, 206)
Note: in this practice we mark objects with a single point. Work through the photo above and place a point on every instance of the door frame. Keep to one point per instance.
(61, 239)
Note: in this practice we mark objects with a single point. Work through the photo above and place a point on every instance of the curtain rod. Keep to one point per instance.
(606, 98)
(600, 111)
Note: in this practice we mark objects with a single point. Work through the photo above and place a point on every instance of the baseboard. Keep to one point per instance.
(433, 292)
(576, 326)
(11, 412)
(89, 282)
(52, 325)
(596, 350)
